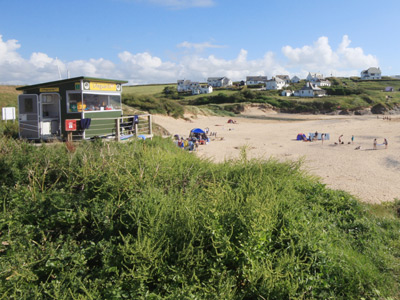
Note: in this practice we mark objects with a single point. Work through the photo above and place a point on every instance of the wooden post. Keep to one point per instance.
(136, 129)
(117, 130)
(69, 136)
(150, 128)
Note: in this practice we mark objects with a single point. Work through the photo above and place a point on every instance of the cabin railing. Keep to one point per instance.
(125, 126)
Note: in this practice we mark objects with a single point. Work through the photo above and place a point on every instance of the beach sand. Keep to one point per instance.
(370, 175)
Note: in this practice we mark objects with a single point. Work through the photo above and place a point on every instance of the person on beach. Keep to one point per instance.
(385, 142)
(322, 138)
(340, 139)
(374, 144)
(352, 139)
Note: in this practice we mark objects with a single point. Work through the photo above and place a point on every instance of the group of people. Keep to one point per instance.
(190, 144)
(341, 141)
(385, 143)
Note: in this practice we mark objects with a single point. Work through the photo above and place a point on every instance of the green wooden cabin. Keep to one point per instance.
(44, 108)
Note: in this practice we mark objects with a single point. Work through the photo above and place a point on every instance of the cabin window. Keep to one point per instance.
(28, 105)
(73, 99)
(100, 102)
(92, 102)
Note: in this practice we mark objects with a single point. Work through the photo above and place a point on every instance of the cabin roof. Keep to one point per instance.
(59, 82)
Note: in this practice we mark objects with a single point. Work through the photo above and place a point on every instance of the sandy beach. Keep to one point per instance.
(371, 175)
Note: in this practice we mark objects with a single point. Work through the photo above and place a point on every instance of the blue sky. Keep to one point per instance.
(160, 41)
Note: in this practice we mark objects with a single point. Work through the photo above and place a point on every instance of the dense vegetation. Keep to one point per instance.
(144, 220)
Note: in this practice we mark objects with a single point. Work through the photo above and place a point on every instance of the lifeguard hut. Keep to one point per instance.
(80, 108)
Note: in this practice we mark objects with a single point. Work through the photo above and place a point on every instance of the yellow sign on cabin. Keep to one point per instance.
(49, 90)
(103, 86)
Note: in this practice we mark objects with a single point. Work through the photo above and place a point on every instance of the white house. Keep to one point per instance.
(256, 80)
(313, 77)
(323, 82)
(183, 86)
(275, 84)
(310, 90)
(287, 93)
(219, 81)
(202, 89)
(371, 74)
(194, 87)
(286, 78)
(295, 79)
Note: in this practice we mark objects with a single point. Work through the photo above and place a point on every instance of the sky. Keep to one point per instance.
(162, 41)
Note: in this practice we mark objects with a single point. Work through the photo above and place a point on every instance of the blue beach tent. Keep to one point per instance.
(197, 130)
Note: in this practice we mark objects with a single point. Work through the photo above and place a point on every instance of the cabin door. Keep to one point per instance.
(50, 115)
(28, 116)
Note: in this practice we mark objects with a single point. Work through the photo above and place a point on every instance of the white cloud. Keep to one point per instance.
(142, 68)
(320, 57)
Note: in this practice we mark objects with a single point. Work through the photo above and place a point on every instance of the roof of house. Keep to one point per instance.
(310, 86)
(276, 79)
(372, 70)
(256, 78)
(216, 78)
(316, 75)
(284, 77)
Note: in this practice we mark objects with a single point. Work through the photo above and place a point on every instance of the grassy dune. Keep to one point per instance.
(8, 95)
(145, 220)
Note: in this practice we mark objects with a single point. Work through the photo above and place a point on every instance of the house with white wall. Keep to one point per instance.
(219, 81)
(323, 82)
(287, 93)
(194, 87)
(275, 84)
(183, 86)
(250, 80)
(202, 89)
(313, 77)
(371, 74)
(310, 90)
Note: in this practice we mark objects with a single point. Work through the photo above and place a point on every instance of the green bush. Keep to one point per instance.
(143, 219)
(9, 129)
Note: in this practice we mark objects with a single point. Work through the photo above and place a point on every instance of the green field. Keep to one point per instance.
(150, 89)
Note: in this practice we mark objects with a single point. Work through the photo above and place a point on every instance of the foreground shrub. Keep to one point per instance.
(145, 220)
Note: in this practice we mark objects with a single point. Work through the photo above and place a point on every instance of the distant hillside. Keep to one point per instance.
(8, 95)
(349, 94)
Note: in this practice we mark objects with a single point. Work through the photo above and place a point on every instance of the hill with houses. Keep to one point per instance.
(370, 93)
